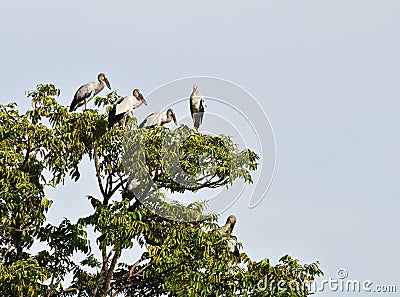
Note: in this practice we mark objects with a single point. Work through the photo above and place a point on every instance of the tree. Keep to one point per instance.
(184, 255)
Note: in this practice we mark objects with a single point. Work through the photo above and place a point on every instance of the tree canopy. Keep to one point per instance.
(181, 254)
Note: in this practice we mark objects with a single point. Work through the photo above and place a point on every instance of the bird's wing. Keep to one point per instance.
(120, 100)
(81, 95)
(197, 108)
(150, 120)
(155, 120)
(85, 93)
(127, 104)
(124, 105)
(202, 104)
(201, 111)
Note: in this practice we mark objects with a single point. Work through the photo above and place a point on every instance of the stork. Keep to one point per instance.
(159, 119)
(87, 92)
(197, 105)
(227, 230)
(124, 106)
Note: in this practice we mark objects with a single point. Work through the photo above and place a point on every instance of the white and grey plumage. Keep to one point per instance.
(197, 105)
(227, 230)
(87, 92)
(124, 106)
(159, 119)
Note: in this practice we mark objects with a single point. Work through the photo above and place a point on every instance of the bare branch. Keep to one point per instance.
(97, 167)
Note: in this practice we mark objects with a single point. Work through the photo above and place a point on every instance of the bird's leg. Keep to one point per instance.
(85, 105)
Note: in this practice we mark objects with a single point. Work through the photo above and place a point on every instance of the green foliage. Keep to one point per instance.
(179, 251)
(185, 160)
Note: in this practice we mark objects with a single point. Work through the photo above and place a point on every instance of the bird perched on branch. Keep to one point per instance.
(227, 230)
(197, 105)
(121, 109)
(87, 92)
(159, 119)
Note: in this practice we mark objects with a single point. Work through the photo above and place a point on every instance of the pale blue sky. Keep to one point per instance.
(325, 72)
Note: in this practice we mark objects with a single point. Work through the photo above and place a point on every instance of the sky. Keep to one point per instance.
(325, 72)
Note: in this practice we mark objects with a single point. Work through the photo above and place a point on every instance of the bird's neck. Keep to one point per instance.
(100, 87)
(230, 227)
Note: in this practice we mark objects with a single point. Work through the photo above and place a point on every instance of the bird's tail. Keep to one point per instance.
(72, 107)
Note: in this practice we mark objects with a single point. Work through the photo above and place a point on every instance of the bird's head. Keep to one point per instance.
(231, 220)
(195, 88)
(171, 113)
(103, 78)
(139, 96)
(229, 225)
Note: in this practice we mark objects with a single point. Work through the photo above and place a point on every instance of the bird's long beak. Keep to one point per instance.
(144, 101)
(174, 117)
(107, 83)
